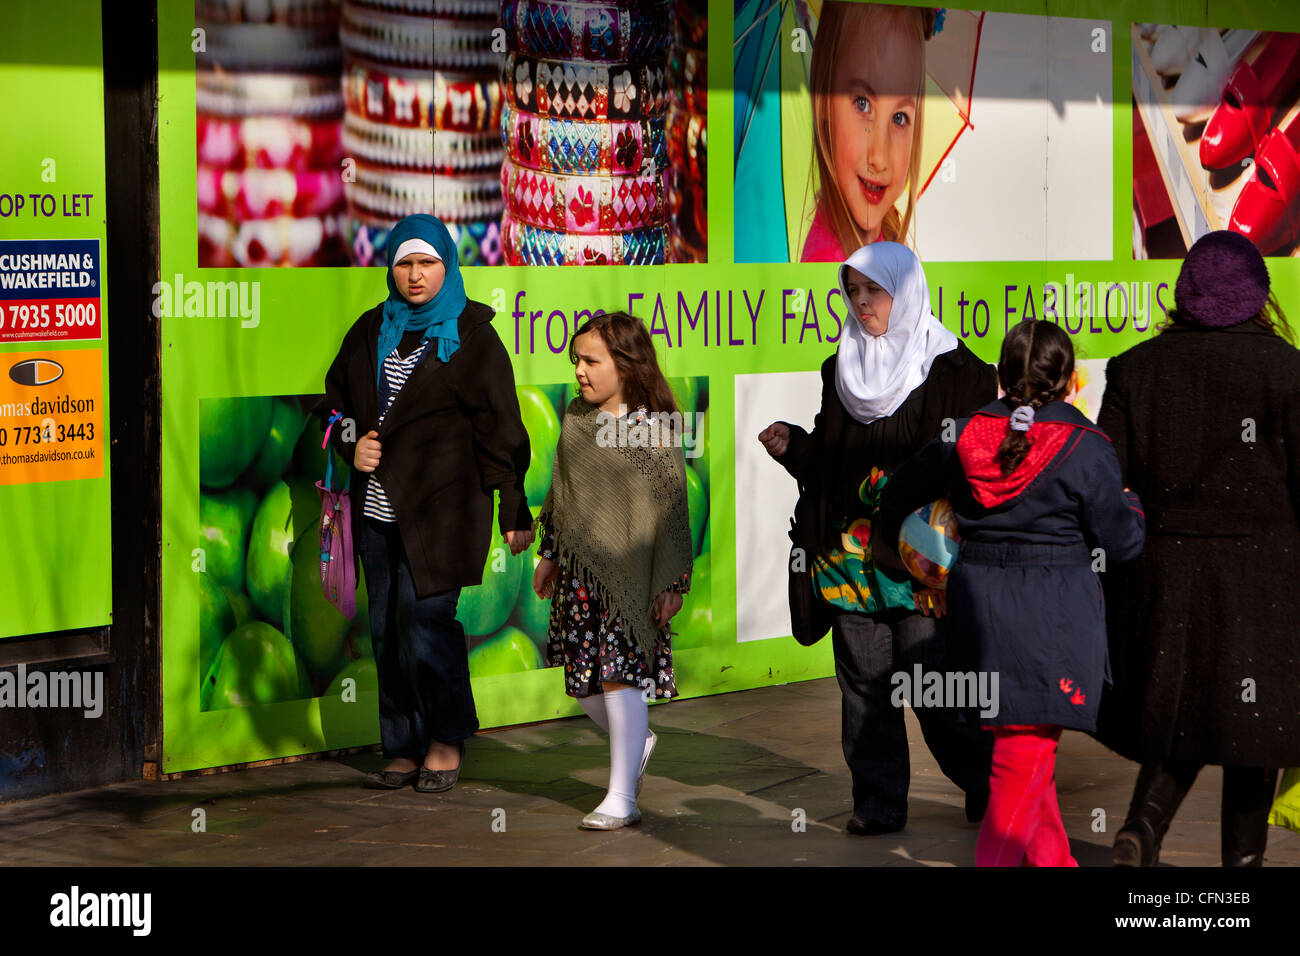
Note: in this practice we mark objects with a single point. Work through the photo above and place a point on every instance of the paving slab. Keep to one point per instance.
(749, 778)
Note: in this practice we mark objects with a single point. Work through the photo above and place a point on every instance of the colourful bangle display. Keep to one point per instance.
(576, 146)
(688, 144)
(467, 198)
(268, 142)
(691, 67)
(387, 94)
(527, 245)
(584, 204)
(586, 91)
(270, 48)
(282, 241)
(367, 239)
(266, 193)
(257, 94)
(387, 37)
(683, 251)
(386, 192)
(465, 9)
(692, 21)
(457, 153)
(587, 31)
(399, 146)
(414, 42)
(688, 200)
(465, 104)
(299, 13)
(478, 243)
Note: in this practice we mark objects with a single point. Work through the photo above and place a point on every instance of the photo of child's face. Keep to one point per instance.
(873, 110)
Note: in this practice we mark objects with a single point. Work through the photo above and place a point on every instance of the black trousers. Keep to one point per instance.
(869, 649)
(424, 687)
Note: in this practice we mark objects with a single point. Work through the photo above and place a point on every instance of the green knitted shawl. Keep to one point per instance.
(618, 509)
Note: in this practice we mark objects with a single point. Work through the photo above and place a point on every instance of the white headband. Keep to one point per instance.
(414, 245)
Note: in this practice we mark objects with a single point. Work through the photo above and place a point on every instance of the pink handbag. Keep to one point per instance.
(338, 571)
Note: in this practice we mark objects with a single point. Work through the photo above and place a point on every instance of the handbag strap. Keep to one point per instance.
(335, 416)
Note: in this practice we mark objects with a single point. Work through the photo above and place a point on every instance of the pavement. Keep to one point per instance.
(750, 778)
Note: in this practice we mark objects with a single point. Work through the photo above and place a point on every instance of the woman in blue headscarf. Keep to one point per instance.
(431, 427)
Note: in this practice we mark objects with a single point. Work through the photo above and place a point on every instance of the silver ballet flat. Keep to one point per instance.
(603, 821)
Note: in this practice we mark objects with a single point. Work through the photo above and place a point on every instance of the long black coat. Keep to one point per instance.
(451, 436)
(1211, 603)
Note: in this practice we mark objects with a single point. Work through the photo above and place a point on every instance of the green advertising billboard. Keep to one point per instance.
(54, 440)
(1043, 174)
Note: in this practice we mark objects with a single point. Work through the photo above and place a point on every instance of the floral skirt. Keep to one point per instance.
(593, 645)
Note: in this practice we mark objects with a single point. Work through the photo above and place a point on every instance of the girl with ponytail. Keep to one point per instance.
(1041, 508)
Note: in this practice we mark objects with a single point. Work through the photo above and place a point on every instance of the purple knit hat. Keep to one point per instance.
(1223, 281)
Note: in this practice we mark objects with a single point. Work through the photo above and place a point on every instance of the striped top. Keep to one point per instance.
(398, 370)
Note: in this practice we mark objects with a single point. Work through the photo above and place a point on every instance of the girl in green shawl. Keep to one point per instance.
(616, 549)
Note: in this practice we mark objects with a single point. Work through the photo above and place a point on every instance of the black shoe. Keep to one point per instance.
(1135, 845)
(440, 781)
(977, 804)
(388, 779)
(861, 826)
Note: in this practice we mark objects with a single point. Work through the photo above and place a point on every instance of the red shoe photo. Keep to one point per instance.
(1268, 210)
(1254, 91)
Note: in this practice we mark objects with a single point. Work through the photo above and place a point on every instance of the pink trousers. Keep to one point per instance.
(1022, 825)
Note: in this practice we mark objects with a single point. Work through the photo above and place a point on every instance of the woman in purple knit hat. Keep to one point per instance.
(1205, 650)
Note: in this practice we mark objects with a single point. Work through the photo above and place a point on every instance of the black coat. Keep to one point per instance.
(1211, 603)
(1024, 599)
(451, 436)
(830, 462)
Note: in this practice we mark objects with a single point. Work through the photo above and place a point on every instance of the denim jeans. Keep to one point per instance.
(869, 649)
(420, 654)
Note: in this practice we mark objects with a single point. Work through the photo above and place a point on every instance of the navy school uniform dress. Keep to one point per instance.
(1023, 595)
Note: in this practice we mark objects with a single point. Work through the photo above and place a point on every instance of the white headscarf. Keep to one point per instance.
(875, 373)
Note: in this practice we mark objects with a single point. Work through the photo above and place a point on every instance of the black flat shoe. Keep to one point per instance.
(861, 826)
(1135, 845)
(388, 779)
(440, 781)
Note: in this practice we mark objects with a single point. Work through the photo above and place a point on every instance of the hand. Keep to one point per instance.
(775, 438)
(544, 576)
(366, 456)
(931, 602)
(666, 605)
(519, 540)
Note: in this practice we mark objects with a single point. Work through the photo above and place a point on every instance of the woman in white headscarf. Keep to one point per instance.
(897, 375)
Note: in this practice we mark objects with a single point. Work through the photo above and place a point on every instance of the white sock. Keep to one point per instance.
(594, 705)
(629, 723)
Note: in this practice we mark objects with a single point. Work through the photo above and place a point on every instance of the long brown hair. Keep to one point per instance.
(837, 19)
(1035, 367)
(1271, 317)
(629, 345)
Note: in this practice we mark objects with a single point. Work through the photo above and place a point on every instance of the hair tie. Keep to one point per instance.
(1022, 418)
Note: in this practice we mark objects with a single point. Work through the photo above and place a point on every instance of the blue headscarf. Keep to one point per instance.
(438, 317)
